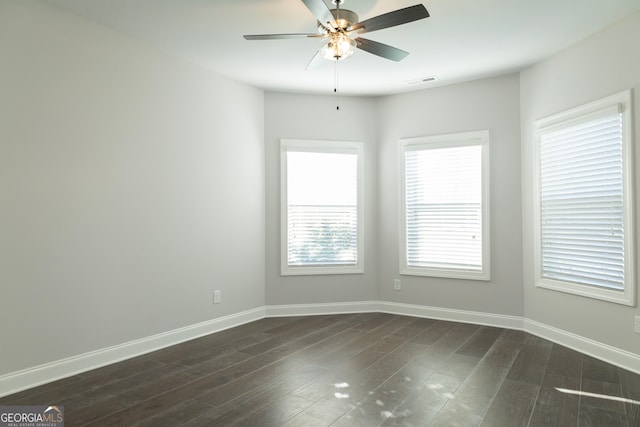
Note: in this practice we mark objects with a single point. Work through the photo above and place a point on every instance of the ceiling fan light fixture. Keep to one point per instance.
(338, 47)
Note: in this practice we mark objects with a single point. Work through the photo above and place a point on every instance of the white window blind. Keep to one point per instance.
(581, 203)
(444, 208)
(321, 188)
(583, 216)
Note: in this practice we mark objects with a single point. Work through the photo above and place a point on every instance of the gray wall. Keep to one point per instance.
(483, 104)
(290, 116)
(601, 65)
(131, 186)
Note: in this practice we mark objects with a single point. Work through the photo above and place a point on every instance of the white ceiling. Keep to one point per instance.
(462, 40)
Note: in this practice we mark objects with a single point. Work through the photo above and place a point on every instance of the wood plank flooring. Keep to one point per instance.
(370, 369)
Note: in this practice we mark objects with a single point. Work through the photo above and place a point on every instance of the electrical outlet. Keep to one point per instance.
(216, 297)
(637, 325)
(396, 284)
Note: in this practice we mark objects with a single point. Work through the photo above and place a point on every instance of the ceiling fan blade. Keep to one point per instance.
(315, 62)
(391, 19)
(322, 13)
(280, 36)
(381, 49)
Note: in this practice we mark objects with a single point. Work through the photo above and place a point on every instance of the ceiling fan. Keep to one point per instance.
(341, 27)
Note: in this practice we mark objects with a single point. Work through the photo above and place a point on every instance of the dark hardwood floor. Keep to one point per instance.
(351, 370)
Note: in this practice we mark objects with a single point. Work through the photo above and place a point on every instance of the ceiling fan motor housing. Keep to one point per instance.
(344, 19)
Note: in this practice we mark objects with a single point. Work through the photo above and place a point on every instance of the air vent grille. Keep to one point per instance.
(422, 80)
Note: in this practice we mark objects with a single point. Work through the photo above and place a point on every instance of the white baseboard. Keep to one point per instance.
(478, 318)
(31, 377)
(607, 353)
(499, 320)
(317, 309)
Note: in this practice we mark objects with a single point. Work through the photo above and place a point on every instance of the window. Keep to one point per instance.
(583, 201)
(321, 211)
(445, 206)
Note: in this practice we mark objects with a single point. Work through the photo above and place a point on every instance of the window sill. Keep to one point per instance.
(449, 274)
(608, 295)
(317, 271)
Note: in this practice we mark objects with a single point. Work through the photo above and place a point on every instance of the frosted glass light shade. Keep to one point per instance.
(338, 47)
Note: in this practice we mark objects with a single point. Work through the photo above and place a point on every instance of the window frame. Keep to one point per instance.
(320, 146)
(566, 119)
(475, 138)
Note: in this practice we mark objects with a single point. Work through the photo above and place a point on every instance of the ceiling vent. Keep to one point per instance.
(422, 80)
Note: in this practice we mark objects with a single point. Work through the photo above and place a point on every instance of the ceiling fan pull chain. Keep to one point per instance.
(335, 87)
